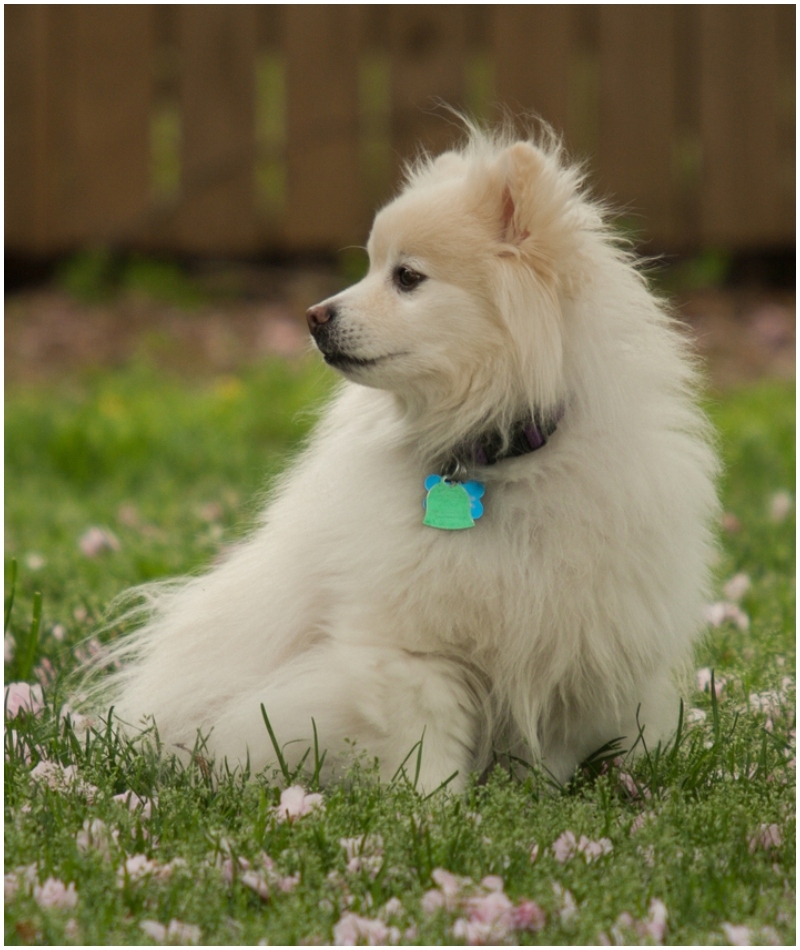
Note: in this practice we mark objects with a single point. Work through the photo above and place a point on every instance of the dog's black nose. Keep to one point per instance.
(319, 315)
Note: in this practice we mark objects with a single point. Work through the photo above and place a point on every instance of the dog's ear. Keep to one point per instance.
(520, 201)
(520, 166)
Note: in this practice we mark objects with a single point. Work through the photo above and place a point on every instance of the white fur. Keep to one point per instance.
(576, 597)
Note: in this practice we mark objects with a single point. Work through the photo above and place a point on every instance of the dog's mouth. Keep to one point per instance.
(345, 361)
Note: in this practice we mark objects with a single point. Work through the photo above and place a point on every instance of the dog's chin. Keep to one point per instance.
(361, 369)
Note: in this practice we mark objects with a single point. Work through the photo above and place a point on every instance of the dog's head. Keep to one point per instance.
(460, 311)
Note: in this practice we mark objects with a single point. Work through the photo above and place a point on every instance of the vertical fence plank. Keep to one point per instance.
(532, 47)
(217, 47)
(428, 49)
(637, 116)
(786, 65)
(111, 116)
(739, 126)
(23, 63)
(325, 193)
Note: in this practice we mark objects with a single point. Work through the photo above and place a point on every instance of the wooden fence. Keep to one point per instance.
(228, 129)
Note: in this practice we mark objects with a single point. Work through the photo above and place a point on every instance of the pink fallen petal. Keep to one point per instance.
(95, 541)
(58, 632)
(95, 835)
(656, 924)
(449, 883)
(528, 915)
(695, 716)
(135, 868)
(288, 883)
(473, 932)
(134, 802)
(568, 908)
(178, 932)
(564, 846)
(737, 935)
(352, 929)
(154, 930)
(54, 893)
(534, 853)
(492, 882)
(256, 883)
(34, 561)
(714, 615)
(10, 887)
(9, 647)
(432, 901)
(22, 697)
(737, 587)
(780, 505)
(490, 908)
(592, 850)
(392, 908)
(296, 802)
(767, 837)
(703, 681)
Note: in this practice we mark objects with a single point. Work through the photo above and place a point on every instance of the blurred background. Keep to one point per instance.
(205, 173)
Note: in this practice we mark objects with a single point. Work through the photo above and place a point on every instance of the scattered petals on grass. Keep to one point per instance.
(297, 802)
(55, 894)
(22, 697)
(95, 541)
(34, 561)
(486, 915)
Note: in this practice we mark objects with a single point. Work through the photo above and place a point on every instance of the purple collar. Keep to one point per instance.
(525, 436)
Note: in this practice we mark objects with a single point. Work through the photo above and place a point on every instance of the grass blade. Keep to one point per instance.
(13, 589)
(287, 775)
(28, 652)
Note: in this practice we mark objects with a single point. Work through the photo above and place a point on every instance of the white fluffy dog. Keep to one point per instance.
(499, 535)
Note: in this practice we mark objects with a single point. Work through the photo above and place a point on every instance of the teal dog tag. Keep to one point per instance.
(452, 506)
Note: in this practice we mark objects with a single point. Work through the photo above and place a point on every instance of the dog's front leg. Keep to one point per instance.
(414, 713)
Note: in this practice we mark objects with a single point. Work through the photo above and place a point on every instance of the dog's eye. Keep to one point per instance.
(407, 279)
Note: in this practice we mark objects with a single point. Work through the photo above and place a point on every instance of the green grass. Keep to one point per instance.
(175, 473)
